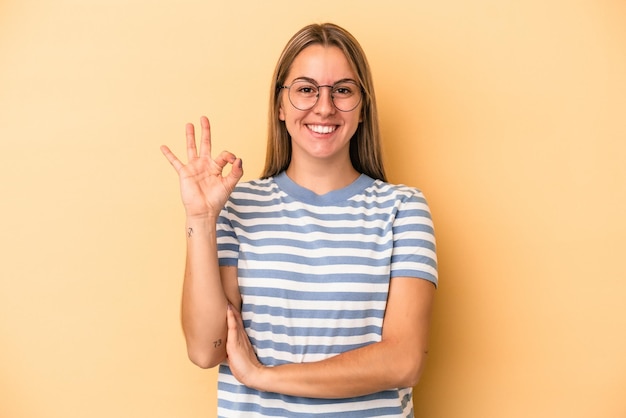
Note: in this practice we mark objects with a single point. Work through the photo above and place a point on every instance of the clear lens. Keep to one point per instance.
(345, 95)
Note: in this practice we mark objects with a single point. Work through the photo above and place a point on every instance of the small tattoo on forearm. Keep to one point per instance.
(217, 343)
(189, 232)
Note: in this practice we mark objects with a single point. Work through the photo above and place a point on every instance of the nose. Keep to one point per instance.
(325, 105)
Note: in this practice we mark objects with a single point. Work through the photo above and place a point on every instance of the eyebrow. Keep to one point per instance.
(311, 80)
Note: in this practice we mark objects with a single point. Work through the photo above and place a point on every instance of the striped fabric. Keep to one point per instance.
(314, 273)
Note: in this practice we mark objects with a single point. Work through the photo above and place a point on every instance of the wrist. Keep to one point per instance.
(200, 225)
(200, 217)
(204, 219)
(261, 378)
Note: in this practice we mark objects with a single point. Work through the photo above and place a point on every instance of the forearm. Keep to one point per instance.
(366, 370)
(396, 361)
(203, 300)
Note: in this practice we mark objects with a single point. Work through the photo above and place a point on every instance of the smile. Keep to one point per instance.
(322, 129)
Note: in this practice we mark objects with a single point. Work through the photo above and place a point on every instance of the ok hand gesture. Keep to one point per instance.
(203, 187)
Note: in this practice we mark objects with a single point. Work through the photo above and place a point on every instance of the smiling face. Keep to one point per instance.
(321, 133)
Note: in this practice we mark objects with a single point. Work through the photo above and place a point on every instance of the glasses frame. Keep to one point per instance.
(317, 96)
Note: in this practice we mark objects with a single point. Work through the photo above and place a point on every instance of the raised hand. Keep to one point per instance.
(203, 187)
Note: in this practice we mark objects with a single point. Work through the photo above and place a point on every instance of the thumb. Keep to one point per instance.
(236, 173)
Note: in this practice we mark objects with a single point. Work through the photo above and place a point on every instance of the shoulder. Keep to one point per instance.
(256, 186)
(401, 193)
(258, 189)
(258, 193)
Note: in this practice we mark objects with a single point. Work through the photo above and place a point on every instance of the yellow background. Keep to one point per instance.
(509, 115)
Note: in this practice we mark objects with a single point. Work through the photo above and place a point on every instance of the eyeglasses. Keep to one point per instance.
(346, 95)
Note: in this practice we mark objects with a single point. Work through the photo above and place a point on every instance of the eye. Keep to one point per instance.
(305, 89)
(344, 90)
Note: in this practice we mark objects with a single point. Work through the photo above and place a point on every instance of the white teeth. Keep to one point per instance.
(321, 129)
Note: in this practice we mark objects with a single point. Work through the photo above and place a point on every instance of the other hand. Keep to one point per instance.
(243, 362)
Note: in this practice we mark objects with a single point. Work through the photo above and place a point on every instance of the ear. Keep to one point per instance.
(281, 113)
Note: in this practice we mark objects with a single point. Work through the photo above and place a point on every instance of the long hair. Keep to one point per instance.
(365, 148)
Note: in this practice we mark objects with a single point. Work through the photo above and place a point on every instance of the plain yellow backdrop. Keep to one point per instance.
(509, 115)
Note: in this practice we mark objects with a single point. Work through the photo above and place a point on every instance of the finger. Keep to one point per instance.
(205, 139)
(235, 313)
(174, 161)
(235, 320)
(225, 158)
(235, 173)
(232, 339)
(192, 151)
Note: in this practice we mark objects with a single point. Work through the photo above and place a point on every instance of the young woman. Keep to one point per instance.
(312, 286)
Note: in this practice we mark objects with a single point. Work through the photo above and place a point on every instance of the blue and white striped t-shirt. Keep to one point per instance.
(314, 273)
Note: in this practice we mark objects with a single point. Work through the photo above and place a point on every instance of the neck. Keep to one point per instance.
(322, 178)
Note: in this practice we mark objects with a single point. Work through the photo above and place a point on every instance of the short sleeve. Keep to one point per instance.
(414, 248)
(227, 242)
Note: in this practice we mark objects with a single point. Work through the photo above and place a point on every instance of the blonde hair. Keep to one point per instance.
(365, 148)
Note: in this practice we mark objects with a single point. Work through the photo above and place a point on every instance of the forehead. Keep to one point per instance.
(324, 64)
